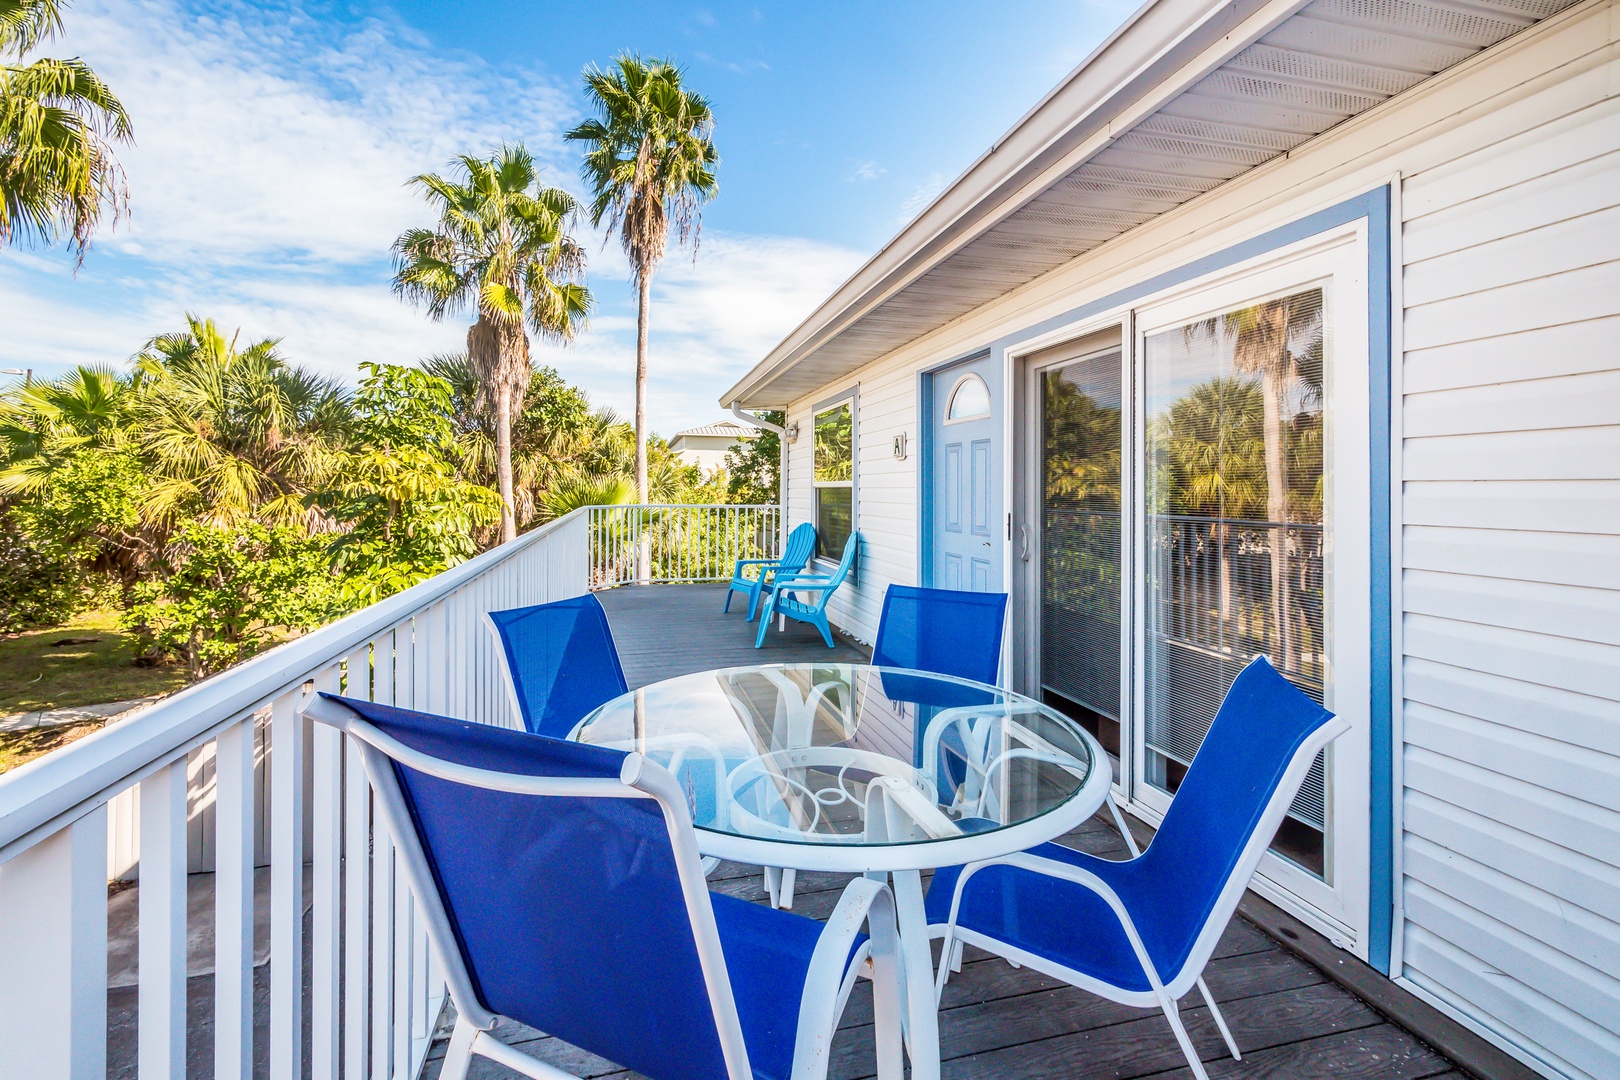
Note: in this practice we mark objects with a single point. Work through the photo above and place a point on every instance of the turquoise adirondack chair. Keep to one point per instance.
(788, 588)
(801, 544)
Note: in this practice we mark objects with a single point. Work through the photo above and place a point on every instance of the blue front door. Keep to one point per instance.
(965, 535)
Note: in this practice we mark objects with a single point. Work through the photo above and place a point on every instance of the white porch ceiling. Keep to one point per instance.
(1319, 66)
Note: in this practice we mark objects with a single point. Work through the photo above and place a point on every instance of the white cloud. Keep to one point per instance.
(262, 137)
(867, 170)
(924, 193)
(712, 319)
(268, 185)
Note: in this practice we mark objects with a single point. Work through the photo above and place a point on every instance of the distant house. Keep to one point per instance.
(706, 446)
(1289, 329)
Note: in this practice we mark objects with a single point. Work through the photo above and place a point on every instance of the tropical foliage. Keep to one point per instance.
(58, 125)
(649, 163)
(226, 497)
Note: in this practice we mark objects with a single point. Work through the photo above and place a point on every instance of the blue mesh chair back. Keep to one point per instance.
(944, 631)
(561, 660)
(568, 912)
(1178, 880)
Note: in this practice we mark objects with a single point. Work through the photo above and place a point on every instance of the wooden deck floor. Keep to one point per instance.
(998, 1022)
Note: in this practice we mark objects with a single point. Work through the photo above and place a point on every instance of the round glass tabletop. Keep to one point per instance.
(855, 756)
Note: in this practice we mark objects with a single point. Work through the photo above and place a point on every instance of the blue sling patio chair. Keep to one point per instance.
(788, 595)
(1139, 932)
(559, 660)
(559, 884)
(801, 544)
(943, 631)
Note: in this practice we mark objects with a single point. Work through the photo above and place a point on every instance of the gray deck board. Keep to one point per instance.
(662, 631)
(998, 1022)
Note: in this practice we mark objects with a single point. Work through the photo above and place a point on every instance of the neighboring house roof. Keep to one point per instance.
(724, 429)
(1186, 95)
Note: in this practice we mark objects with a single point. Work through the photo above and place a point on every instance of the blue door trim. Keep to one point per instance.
(1373, 207)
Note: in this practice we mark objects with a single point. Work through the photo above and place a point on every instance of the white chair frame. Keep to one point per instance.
(864, 902)
(1163, 993)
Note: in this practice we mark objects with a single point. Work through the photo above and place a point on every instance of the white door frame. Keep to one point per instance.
(1336, 260)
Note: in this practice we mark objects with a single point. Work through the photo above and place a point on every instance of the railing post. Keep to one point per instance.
(161, 1013)
(53, 955)
(286, 888)
(233, 901)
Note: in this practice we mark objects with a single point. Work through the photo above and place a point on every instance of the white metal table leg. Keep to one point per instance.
(917, 970)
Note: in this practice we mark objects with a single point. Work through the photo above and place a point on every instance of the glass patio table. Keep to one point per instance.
(849, 767)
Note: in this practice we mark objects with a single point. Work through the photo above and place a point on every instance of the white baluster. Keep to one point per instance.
(53, 955)
(234, 834)
(286, 888)
(327, 873)
(161, 1012)
(403, 932)
(356, 884)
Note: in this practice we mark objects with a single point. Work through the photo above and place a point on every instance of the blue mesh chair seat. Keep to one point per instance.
(801, 544)
(559, 660)
(561, 887)
(1140, 932)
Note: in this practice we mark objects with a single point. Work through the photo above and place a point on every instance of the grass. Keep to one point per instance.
(17, 747)
(99, 666)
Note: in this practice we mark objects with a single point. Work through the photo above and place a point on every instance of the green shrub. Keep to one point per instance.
(230, 592)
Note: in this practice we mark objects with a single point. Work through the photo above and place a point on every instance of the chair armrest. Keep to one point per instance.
(757, 562)
(863, 901)
(784, 579)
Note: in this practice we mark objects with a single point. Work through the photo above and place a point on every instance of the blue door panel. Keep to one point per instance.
(952, 481)
(980, 486)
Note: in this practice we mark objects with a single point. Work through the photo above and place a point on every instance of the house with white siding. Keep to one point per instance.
(707, 446)
(1288, 328)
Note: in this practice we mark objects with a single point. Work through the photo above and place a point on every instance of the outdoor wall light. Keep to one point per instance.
(793, 432)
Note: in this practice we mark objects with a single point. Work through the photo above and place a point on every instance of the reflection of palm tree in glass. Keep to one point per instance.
(1281, 341)
(1082, 449)
(1212, 439)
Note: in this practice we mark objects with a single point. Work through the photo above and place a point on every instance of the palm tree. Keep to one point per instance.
(43, 423)
(502, 249)
(58, 124)
(230, 433)
(649, 162)
(556, 435)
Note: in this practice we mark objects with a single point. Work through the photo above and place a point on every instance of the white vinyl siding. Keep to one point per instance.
(1511, 579)
(1508, 549)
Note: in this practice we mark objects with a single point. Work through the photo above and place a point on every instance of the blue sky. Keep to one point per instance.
(273, 141)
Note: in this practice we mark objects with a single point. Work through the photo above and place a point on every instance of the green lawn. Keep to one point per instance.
(38, 673)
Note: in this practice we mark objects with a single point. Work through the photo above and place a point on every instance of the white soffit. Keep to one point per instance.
(1319, 66)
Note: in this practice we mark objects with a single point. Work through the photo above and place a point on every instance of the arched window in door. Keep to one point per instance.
(970, 399)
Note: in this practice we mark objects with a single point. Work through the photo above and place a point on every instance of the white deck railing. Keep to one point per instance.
(678, 542)
(226, 776)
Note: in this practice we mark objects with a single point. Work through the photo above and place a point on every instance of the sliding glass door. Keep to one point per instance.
(1195, 495)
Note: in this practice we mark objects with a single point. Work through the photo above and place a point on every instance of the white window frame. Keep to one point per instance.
(1337, 262)
(850, 397)
(956, 388)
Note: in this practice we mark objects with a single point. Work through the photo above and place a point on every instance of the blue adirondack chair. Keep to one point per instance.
(560, 886)
(801, 544)
(1139, 932)
(559, 660)
(784, 598)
